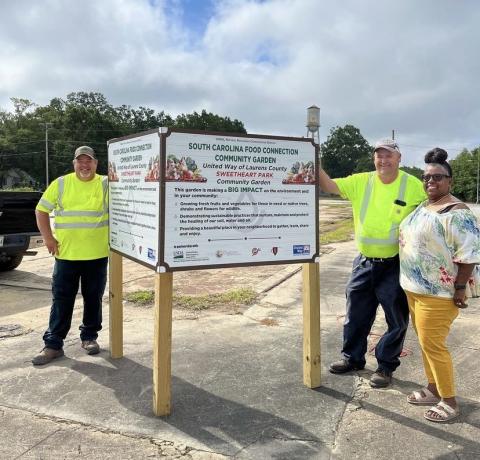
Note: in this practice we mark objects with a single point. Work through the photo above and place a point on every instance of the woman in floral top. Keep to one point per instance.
(439, 248)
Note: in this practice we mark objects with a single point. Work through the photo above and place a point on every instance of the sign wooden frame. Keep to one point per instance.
(163, 282)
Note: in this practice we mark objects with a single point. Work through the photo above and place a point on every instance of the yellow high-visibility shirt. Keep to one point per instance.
(379, 208)
(81, 216)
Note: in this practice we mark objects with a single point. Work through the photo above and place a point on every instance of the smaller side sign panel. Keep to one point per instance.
(238, 200)
(134, 180)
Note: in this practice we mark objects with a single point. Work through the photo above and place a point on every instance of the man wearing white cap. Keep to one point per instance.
(79, 244)
(380, 199)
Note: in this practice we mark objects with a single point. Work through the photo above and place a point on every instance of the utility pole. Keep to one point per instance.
(478, 169)
(393, 134)
(47, 126)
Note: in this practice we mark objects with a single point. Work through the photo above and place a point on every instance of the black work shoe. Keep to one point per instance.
(342, 366)
(91, 347)
(47, 355)
(381, 379)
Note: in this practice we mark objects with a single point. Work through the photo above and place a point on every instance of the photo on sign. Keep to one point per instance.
(153, 172)
(112, 172)
(182, 170)
(301, 173)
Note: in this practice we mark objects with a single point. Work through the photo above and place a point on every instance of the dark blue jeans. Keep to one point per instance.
(373, 283)
(91, 275)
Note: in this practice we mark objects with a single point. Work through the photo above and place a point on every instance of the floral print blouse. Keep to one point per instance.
(431, 245)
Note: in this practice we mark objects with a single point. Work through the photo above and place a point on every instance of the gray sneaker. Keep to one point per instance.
(380, 379)
(47, 355)
(91, 347)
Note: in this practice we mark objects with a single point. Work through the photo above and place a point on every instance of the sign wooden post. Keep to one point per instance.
(311, 325)
(162, 346)
(116, 305)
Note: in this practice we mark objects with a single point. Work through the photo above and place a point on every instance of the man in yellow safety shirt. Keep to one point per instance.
(380, 200)
(79, 201)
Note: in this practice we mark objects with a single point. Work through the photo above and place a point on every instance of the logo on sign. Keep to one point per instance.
(178, 255)
(255, 251)
(219, 253)
(275, 250)
(151, 253)
(301, 249)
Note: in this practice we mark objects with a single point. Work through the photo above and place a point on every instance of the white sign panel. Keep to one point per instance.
(238, 200)
(134, 180)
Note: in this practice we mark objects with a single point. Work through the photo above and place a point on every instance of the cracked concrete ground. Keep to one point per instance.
(237, 388)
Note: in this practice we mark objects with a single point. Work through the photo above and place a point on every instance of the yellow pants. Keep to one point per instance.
(431, 318)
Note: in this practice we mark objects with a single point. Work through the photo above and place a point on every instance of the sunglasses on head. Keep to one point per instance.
(435, 177)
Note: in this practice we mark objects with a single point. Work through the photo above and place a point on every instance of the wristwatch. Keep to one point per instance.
(459, 287)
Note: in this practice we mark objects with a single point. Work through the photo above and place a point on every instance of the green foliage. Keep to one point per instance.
(191, 165)
(142, 297)
(82, 118)
(413, 170)
(19, 189)
(343, 232)
(207, 121)
(465, 170)
(346, 151)
(365, 164)
(233, 298)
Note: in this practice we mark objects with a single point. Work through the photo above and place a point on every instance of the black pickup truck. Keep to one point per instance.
(17, 227)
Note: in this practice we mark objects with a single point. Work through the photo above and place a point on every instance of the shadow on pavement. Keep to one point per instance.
(467, 406)
(219, 423)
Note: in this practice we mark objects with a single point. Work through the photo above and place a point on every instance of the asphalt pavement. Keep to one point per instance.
(237, 388)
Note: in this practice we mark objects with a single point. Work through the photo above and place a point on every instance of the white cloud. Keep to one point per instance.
(409, 66)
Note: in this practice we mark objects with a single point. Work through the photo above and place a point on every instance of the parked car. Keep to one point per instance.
(18, 227)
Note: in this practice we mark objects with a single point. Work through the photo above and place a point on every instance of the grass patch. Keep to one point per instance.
(140, 297)
(232, 298)
(342, 232)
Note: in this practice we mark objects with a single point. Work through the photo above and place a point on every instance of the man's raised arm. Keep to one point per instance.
(327, 184)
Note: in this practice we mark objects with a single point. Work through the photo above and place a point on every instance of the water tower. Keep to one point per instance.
(313, 123)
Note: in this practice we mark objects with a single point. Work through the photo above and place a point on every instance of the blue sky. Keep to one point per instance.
(194, 14)
(409, 66)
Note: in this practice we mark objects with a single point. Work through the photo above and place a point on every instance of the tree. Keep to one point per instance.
(413, 170)
(83, 118)
(207, 121)
(464, 168)
(346, 151)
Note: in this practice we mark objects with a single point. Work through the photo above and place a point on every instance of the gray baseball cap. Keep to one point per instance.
(388, 144)
(84, 150)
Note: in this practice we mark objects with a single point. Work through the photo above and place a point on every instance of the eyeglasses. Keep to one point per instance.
(435, 177)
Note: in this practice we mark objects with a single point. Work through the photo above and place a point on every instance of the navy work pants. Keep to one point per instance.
(375, 282)
(91, 275)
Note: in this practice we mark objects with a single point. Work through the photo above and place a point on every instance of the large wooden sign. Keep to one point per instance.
(183, 200)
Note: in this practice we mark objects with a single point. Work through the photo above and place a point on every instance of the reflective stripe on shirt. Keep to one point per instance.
(46, 204)
(73, 225)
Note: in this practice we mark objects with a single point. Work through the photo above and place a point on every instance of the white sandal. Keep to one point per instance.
(424, 397)
(445, 412)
